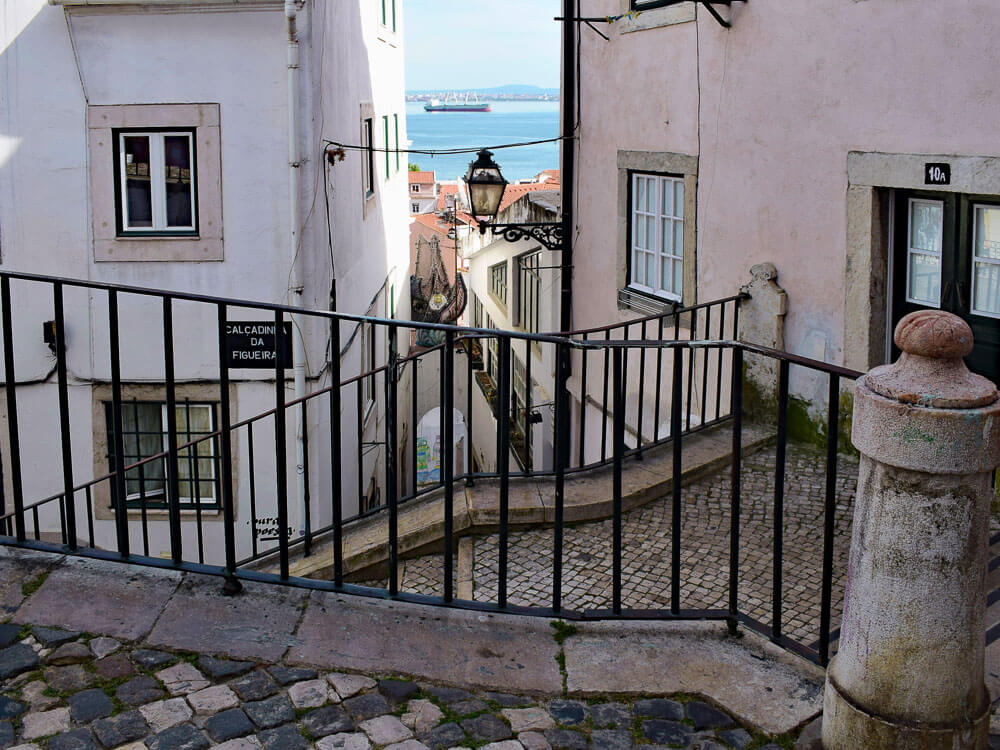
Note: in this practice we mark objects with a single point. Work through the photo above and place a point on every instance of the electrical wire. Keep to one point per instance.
(445, 151)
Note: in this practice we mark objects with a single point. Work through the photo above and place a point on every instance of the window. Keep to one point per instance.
(498, 282)
(415, 188)
(395, 123)
(477, 311)
(529, 289)
(368, 362)
(923, 257)
(415, 208)
(156, 182)
(368, 168)
(385, 128)
(144, 434)
(492, 353)
(986, 261)
(388, 17)
(657, 235)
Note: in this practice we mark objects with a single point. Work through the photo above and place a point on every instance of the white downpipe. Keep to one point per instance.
(298, 348)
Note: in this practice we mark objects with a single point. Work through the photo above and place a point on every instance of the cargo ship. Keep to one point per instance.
(452, 104)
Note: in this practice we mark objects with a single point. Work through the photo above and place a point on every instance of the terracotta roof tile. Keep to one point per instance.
(421, 178)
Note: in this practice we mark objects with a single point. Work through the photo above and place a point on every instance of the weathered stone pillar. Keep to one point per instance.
(762, 322)
(909, 668)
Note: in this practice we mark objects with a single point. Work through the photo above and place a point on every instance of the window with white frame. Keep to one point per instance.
(498, 282)
(986, 261)
(144, 435)
(529, 290)
(368, 166)
(156, 182)
(923, 256)
(368, 350)
(656, 213)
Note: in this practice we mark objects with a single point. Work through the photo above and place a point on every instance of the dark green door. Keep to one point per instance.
(947, 256)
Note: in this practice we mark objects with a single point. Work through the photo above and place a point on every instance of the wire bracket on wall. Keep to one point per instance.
(591, 20)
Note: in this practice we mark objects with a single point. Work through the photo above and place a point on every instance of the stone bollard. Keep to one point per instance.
(909, 668)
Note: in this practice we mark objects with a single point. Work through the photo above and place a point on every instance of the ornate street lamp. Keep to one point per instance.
(486, 187)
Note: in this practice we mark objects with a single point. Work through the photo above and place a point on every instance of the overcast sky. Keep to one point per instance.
(459, 44)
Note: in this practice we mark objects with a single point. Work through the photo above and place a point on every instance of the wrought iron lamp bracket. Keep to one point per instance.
(548, 233)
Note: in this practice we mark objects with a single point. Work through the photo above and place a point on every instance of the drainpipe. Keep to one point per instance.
(298, 349)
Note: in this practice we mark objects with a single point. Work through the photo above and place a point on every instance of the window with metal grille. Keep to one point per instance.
(656, 212)
(529, 290)
(492, 353)
(498, 282)
(477, 311)
(144, 434)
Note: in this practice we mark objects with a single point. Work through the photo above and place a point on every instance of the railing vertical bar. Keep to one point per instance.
(561, 458)
(659, 382)
(448, 462)
(735, 498)
(503, 464)
(225, 464)
(604, 404)
(64, 432)
(194, 481)
(306, 491)
(691, 359)
(360, 444)
(173, 460)
(676, 405)
(704, 365)
(121, 517)
(624, 374)
(10, 381)
(414, 417)
(88, 497)
(253, 489)
(618, 451)
(391, 464)
(779, 500)
(280, 457)
(583, 404)
(142, 479)
(642, 392)
(34, 515)
(336, 457)
(528, 457)
(829, 518)
(718, 383)
(469, 481)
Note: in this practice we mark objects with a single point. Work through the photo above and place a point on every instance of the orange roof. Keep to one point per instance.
(549, 175)
(421, 178)
(515, 192)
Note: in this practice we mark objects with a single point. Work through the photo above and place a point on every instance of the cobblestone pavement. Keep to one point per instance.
(66, 690)
(705, 522)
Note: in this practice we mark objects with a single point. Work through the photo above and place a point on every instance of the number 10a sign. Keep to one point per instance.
(937, 173)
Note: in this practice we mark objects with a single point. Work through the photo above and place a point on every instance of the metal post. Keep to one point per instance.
(232, 584)
(64, 432)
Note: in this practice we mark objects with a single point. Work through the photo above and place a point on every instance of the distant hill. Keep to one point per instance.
(511, 89)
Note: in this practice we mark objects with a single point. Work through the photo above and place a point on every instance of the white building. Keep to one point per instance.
(185, 145)
(423, 192)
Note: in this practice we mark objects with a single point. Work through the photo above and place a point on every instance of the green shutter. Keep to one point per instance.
(395, 120)
(385, 127)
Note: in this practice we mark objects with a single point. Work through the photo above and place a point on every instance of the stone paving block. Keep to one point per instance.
(77, 595)
(528, 719)
(220, 669)
(344, 741)
(139, 690)
(149, 658)
(240, 743)
(29, 746)
(385, 730)
(165, 714)
(258, 624)
(447, 694)
(398, 691)
(9, 708)
(183, 737)
(327, 720)
(471, 706)
(504, 745)
(705, 716)
(17, 659)
(88, 705)
(534, 741)
(309, 694)
(9, 634)
(182, 679)
(611, 715)
(53, 637)
(486, 728)
(664, 732)
(422, 715)
(406, 745)
(119, 729)
(349, 685)
(495, 651)
(738, 738)
(103, 646)
(69, 678)
(6, 733)
(565, 739)
(213, 699)
(76, 739)
(287, 675)
(44, 723)
(228, 724)
(367, 706)
(270, 712)
(34, 693)
(658, 708)
(287, 737)
(612, 739)
(70, 653)
(444, 736)
(254, 686)
(569, 713)
(114, 667)
(507, 700)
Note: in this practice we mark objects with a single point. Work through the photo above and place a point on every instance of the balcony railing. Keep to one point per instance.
(614, 394)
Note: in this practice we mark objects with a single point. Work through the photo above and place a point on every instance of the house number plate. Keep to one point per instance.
(937, 173)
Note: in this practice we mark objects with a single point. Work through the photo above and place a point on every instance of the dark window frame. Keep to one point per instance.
(368, 168)
(497, 278)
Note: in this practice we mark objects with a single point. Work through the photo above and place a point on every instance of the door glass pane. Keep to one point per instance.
(668, 197)
(988, 232)
(138, 194)
(638, 268)
(987, 288)
(679, 199)
(925, 278)
(640, 231)
(679, 239)
(678, 278)
(640, 193)
(650, 228)
(666, 236)
(665, 267)
(177, 174)
(926, 226)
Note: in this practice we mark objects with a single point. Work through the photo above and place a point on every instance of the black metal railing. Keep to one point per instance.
(638, 388)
